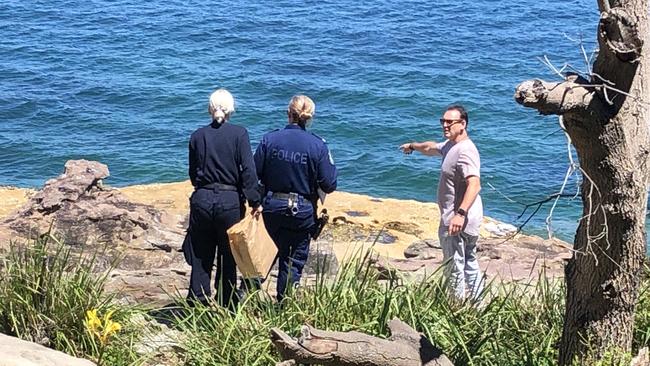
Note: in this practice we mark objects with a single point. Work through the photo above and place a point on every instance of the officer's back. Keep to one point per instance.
(293, 160)
(293, 165)
(221, 168)
(217, 162)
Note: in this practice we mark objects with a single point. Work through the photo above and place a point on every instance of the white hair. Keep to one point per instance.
(221, 105)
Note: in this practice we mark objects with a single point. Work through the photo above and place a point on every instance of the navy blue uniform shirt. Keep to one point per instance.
(293, 160)
(221, 153)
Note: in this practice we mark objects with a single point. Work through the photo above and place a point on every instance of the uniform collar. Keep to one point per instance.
(293, 127)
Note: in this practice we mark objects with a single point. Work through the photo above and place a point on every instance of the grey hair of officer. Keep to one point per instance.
(221, 105)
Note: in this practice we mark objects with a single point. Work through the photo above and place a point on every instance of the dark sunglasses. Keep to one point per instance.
(450, 122)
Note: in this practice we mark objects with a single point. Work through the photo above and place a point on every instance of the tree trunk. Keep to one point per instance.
(405, 347)
(608, 127)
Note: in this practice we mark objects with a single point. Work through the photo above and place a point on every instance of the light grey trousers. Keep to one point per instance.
(461, 263)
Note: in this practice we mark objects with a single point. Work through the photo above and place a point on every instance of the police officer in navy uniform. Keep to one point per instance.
(293, 164)
(222, 172)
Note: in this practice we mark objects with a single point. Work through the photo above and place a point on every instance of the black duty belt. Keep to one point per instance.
(292, 201)
(284, 196)
(219, 187)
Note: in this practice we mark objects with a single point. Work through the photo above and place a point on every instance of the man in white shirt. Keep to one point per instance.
(461, 209)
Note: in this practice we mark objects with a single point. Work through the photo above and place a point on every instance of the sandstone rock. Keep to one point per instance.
(499, 229)
(144, 241)
(16, 352)
(392, 268)
(286, 363)
(321, 259)
(79, 177)
(144, 225)
(153, 287)
(423, 249)
(84, 212)
(160, 339)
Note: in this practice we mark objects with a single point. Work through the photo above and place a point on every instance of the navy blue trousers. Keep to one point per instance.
(211, 214)
(292, 236)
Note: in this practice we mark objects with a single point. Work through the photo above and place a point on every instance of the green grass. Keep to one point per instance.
(514, 325)
(642, 316)
(45, 291)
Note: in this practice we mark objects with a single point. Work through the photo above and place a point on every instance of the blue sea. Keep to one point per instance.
(126, 82)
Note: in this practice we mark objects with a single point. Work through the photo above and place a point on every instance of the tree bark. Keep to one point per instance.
(609, 128)
(405, 347)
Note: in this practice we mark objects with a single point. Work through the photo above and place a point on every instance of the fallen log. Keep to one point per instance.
(404, 347)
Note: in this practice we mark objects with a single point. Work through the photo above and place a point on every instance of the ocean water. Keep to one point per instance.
(126, 82)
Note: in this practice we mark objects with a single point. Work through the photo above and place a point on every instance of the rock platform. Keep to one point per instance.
(144, 225)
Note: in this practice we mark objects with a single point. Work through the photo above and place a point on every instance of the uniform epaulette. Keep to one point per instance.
(320, 138)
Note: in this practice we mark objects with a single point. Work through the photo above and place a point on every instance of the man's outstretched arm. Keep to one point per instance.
(428, 148)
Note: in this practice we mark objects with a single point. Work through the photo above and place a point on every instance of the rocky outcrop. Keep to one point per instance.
(16, 352)
(144, 226)
(89, 216)
(520, 258)
(84, 212)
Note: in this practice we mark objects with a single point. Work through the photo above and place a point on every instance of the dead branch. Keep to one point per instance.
(405, 347)
(537, 206)
(570, 171)
(567, 72)
(558, 97)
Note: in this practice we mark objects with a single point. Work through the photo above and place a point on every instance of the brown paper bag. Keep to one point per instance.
(252, 247)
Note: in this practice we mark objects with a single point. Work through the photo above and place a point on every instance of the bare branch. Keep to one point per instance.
(502, 195)
(570, 171)
(552, 67)
(602, 79)
(584, 54)
(538, 205)
(607, 85)
(581, 42)
(592, 210)
(606, 95)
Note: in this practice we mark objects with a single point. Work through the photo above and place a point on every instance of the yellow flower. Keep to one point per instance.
(101, 329)
(92, 321)
(112, 327)
(107, 316)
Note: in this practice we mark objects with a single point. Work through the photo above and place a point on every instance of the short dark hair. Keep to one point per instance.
(461, 110)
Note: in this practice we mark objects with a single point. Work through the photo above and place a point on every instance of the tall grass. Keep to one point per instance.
(642, 316)
(515, 324)
(45, 292)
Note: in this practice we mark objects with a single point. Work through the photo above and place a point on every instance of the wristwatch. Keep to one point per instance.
(461, 212)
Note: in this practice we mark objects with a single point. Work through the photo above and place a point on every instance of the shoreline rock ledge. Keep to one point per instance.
(17, 352)
(144, 226)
